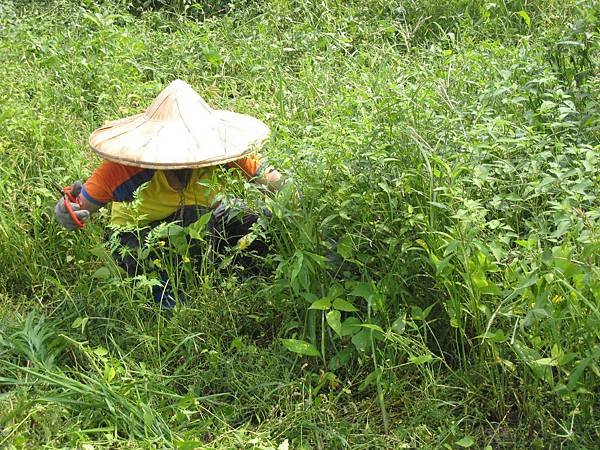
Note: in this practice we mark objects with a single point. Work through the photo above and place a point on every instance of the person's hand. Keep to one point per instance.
(62, 214)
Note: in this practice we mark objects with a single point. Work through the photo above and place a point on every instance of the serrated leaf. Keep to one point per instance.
(334, 319)
(321, 304)
(301, 347)
(344, 305)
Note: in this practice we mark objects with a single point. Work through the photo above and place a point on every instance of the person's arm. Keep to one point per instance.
(273, 180)
(254, 168)
(110, 182)
(81, 213)
(88, 206)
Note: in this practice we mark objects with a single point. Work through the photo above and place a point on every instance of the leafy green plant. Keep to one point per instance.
(435, 285)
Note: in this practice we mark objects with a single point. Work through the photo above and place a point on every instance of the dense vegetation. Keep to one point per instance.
(437, 285)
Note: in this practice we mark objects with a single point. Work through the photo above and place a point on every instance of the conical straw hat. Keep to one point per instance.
(179, 130)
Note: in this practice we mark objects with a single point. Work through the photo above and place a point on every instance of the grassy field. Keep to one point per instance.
(436, 286)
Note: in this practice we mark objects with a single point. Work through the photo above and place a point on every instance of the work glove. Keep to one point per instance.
(62, 214)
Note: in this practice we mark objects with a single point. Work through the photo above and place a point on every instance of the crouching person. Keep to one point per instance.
(169, 164)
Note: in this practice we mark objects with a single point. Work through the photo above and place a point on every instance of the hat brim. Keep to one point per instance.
(156, 144)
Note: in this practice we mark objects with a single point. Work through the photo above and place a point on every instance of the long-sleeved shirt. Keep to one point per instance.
(141, 196)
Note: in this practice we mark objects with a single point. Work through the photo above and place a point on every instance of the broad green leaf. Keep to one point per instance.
(100, 351)
(188, 445)
(309, 296)
(377, 300)
(336, 290)
(399, 324)
(575, 376)
(546, 362)
(334, 319)
(109, 373)
(301, 347)
(345, 247)
(417, 313)
(362, 340)
(321, 304)
(341, 358)
(350, 326)
(212, 56)
(525, 17)
(372, 326)
(99, 251)
(298, 265)
(169, 230)
(148, 418)
(465, 442)
(479, 279)
(371, 378)
(494, 336)
(80, 322)
(344, 305)
(530, 356)
(197, 229)
(364, 290)
(102, 273)
(418, 360)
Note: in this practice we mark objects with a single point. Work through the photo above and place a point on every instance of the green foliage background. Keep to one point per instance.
(437, 285)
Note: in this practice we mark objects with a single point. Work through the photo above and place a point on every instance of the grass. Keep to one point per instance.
(435, 287)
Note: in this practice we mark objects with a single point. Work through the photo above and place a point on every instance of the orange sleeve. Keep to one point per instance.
(112, 181)
(249, 165)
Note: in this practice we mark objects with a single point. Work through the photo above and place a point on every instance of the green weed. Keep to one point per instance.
(435, 286)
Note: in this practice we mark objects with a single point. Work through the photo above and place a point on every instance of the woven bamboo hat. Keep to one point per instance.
(179, 130)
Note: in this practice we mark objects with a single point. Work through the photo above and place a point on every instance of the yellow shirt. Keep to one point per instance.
(157, 199)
